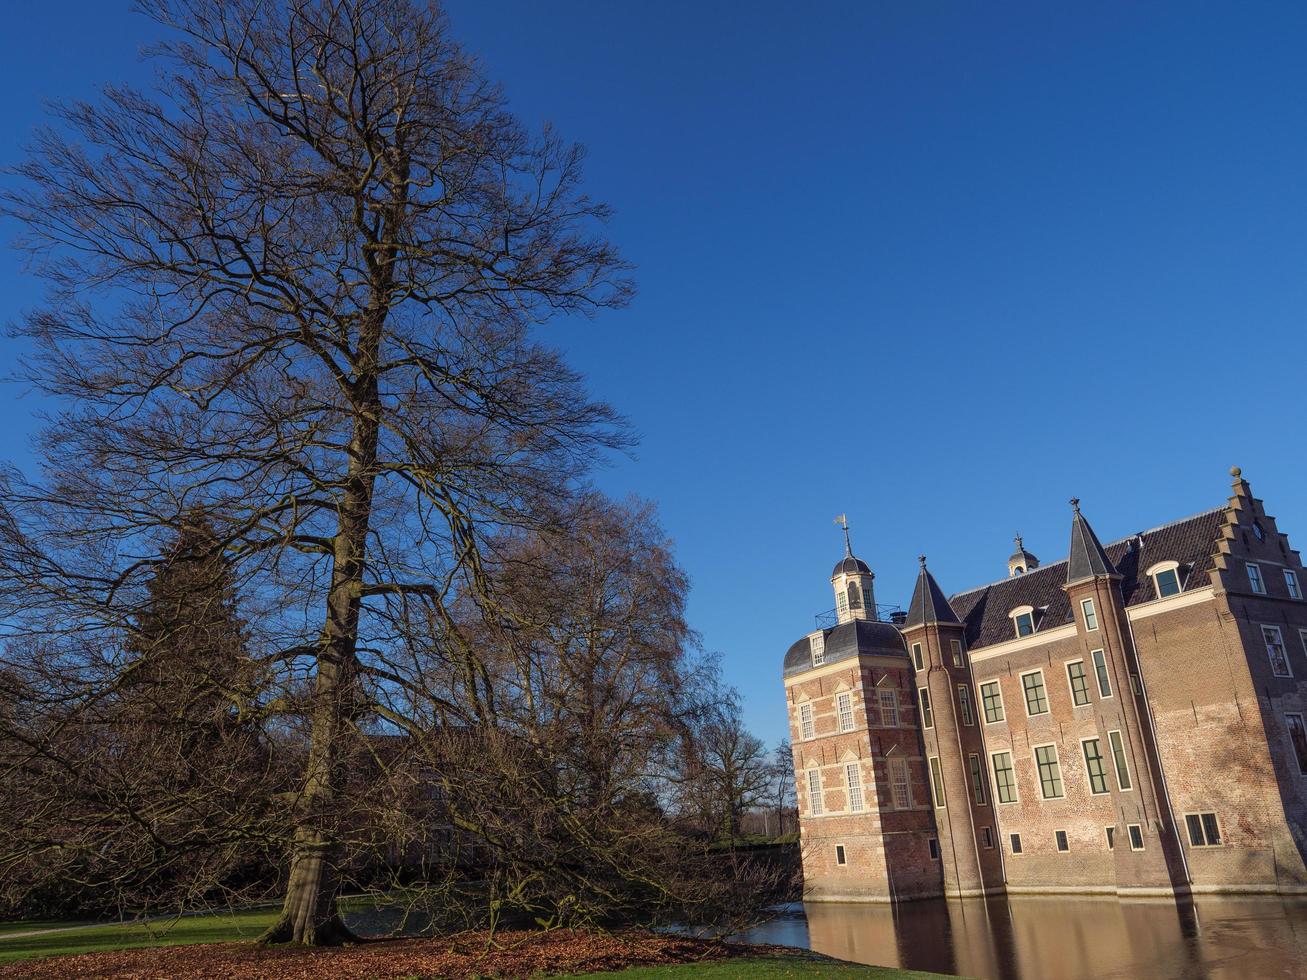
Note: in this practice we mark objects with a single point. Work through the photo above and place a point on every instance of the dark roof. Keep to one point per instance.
(848, 565)
(1191, 542)
(1086, 558)
(928, 603)
(846, 641)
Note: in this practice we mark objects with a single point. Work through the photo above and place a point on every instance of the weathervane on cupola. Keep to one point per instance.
(851, 580)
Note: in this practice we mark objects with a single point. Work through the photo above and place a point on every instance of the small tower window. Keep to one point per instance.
(855, 596)
(818, 644)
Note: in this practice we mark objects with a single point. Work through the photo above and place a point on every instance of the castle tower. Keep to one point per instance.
(954, 746)
(1151, 857)
(865, 820)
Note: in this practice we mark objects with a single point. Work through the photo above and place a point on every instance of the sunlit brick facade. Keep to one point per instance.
(1131, 720)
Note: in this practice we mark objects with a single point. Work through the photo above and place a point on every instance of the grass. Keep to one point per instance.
(764, 968)
(218, 928)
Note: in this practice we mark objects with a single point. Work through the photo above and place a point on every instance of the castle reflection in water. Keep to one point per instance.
(1054, 938)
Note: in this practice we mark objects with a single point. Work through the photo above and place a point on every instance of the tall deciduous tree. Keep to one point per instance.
(294, 286)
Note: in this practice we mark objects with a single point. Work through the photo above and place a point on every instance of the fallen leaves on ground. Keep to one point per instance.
(468, 955)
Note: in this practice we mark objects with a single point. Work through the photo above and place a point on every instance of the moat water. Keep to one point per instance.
(1058, 938)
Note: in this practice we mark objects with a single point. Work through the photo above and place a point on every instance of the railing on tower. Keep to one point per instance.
(884, 613)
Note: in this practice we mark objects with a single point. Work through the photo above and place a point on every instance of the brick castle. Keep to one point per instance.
(1129, 720)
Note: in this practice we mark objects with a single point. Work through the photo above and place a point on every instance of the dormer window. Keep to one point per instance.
(1166, 578)
(818, 644)
(1023, 620)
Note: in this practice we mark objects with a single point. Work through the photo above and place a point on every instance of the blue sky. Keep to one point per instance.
(938, 266)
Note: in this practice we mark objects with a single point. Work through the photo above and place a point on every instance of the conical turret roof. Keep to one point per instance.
(929, 604)
(1086, 559)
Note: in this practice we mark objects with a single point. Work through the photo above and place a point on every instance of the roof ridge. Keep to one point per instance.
(1111, 544)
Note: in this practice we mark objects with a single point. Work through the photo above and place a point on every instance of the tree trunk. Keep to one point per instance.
(309, 914)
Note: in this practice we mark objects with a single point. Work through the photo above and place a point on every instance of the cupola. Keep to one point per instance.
(1021, 560)
(851, 580)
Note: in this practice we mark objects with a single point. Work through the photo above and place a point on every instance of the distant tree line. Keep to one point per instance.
(311, 576)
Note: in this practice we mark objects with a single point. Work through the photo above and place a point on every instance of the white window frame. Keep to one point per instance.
(816, 804)
(1012, 768)
(1284, 649)
(935, 772)
(853, 778)
(1016, 614)
(1025, 695)
(1014, 845)
(1130, 838)
(1110, 834)
(900, 768)
(807, 721)
(1288, 728)
(1058, 841)
(918, 661)
(965, 707)
(841, 855)
(1089, 781)
(888, 701)
(1105, 676)
(987, 837)
(842, 601)
(1089, 612)
(1158, 569)
(1039, 776)
(959, 656)
(1122, 762)
(976, 772)
(1070, 686)
(1291, 583)
(1256, 581)
(844, 710)
(1002, 708)
(925, 708)
(817, 647)
(1202, 825)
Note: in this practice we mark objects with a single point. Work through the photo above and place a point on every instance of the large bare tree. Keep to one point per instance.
(294, 286)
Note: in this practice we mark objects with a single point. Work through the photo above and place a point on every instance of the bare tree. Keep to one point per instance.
(294, 287)
(782, 785)
(730, 765)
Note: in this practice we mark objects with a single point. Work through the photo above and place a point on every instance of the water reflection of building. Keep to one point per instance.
(1128, 720)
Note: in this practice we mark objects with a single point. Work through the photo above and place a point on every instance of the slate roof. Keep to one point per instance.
(1191, 542)
(846, 641)
(928, 603)
(1086, 559)
(850, 566)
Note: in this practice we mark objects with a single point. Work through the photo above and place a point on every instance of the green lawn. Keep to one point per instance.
(765, 968)
(93, 939)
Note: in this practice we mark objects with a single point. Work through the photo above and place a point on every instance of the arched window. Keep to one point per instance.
(855, 596)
